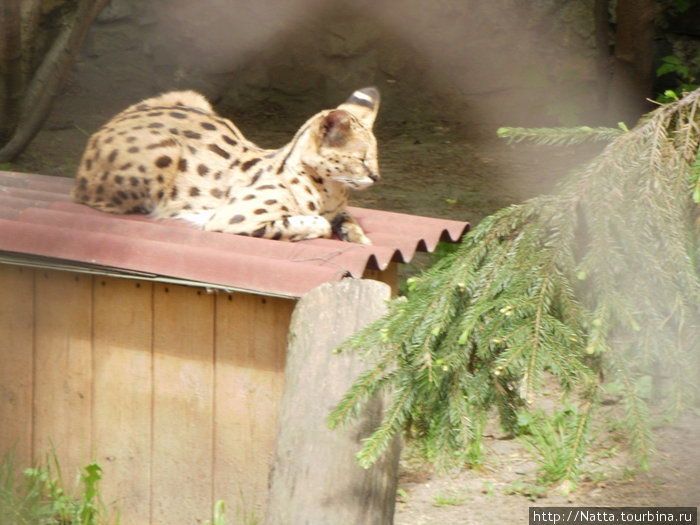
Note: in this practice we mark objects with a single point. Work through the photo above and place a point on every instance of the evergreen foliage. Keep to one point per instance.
(600, 278)
(560, 136)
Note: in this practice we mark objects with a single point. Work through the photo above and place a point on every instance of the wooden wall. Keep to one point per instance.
(172, 390)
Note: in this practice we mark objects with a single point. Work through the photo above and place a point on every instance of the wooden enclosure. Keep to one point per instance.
(115, 349)
(174, 391)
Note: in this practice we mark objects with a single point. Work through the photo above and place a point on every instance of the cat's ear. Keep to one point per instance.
(335, 128)
(364, 104)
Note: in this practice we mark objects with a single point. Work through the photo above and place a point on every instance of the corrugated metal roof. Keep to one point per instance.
(41, 226)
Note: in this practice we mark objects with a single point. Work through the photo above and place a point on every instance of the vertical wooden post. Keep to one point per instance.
(314, 475)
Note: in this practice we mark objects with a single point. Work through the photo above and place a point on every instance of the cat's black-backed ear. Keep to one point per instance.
(364, 104)
(335, 128)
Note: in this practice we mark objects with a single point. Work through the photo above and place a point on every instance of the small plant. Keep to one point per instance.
(488, 489)
(401, 494)
(448, 498)
(40, 497)
(673, 65)
(242, 517)
(556, 441)
(530, 491)
(219, 514)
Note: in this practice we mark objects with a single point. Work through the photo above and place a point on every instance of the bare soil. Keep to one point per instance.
(461, 171)
(503, 488)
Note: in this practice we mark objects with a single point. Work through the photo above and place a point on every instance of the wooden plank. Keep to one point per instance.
(251, 334)
(183, 346)
(122, 337)
(390, 276)
(314, 476)
(63, 368)
(16, 356)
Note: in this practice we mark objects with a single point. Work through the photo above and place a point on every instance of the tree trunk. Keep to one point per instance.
(30, 14)
(602, 44)
(10, 66)
(315, 477)
(49, 77)
(634, 50)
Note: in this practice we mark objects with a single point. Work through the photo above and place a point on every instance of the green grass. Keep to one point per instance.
(40, 496)
(242, 517)
(532, 491)
(449, 498)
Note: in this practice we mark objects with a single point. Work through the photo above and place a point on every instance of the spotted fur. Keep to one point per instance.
(172, 157)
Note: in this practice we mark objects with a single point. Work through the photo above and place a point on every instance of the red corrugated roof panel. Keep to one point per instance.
(39, 225)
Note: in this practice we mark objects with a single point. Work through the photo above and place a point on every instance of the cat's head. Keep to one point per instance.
(342, 146)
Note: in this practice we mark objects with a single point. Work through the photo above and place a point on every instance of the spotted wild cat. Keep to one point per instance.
(171, 156)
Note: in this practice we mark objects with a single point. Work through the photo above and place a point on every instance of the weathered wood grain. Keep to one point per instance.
(251, 340)
(17, 362)
(63, 382)
(183, 413)
(122, 339)
(315, 478)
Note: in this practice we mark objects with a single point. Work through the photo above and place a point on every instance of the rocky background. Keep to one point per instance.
(450, 73)
(505, 61)
(502, 61)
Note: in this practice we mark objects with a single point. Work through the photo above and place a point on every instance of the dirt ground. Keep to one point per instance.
(452, 170)
(505, 486)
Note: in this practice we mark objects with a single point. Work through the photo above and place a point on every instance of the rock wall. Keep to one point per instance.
(502, 61)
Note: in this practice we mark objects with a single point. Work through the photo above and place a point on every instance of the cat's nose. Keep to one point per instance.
(374, 176)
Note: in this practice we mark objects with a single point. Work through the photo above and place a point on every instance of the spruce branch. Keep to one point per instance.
(635, 410)
(559, 136)
(601, 274)
(577, 442)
